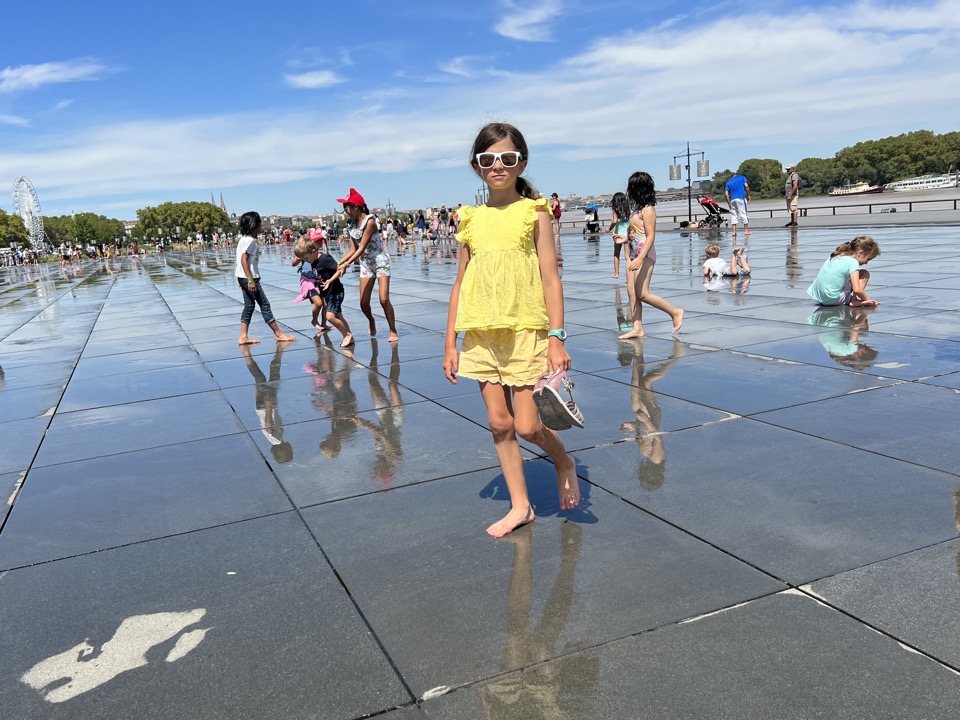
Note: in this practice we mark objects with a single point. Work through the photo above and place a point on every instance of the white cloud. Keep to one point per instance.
(529, 23)
(31, 77)
(14, 120)
(798, 82)
(459, 66)
(313, 80)
(63, 104)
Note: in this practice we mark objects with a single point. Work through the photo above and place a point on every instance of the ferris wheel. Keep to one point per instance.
(26, 204)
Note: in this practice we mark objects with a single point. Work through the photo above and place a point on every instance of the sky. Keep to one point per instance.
(109, 107)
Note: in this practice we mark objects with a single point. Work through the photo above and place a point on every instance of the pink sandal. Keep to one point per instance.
(554, 412)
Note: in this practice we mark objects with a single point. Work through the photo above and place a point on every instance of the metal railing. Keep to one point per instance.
(872, 207)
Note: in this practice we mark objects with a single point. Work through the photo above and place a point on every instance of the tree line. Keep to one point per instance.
(83, 229)
(190, 217)
(875, 162)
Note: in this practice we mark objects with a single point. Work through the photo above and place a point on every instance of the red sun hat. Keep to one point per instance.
(353, 197)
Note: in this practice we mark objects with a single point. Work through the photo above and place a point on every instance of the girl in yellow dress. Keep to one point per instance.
(508, 301)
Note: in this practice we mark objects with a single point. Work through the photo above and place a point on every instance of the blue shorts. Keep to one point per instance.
(334, 302)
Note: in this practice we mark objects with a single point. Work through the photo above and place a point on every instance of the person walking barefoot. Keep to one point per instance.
(643, 255)
(247, 272)
(508, 300)
(367, 246)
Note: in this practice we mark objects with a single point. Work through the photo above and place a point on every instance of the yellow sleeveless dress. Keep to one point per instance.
(501, 308)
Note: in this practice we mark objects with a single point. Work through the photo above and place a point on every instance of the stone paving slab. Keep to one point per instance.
(776, 657)
(238, 621)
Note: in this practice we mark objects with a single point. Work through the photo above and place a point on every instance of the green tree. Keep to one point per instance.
(901, 156)
(820, 175)
(59, 229)
(716, 185)
(12, 231)
(190, 217)
(82, 229)
(765, 176)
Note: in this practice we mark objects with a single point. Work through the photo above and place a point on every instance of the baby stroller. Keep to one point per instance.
(715, 214)
(593, 220)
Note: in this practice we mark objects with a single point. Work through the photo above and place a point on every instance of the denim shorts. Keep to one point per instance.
(335, 302)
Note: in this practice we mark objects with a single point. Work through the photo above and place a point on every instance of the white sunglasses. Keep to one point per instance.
(508, 158)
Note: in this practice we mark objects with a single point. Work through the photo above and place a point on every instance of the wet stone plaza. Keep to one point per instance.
(770, 525)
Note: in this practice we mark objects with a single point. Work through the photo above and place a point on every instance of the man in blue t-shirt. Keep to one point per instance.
(737, 191)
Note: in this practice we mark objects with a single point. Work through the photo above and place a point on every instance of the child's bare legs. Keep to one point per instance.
(509, 416)
(318, 307)
(500, 417)
(616, 259)
(278, 334)
(529, 427)
(643, 283)
(865, 277)
(366, 292)
(244, 338)
(636, 309)
(340, 323)
(738, 261)
(383, 283)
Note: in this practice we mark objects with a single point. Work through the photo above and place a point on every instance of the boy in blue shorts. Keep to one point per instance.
(320, 283)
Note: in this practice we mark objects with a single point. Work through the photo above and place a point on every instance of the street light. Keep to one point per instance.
(703, 170)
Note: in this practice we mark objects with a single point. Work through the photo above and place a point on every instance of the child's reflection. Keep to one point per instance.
(332, 395)
(646, 427)
(557, 688)
(623, 325)
(389, 407)
(265, 401)
(841, 339)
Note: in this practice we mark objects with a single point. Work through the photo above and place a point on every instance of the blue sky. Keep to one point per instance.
(113, 106)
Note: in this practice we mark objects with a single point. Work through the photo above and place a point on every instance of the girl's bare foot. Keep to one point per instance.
(321, 329)
(567, 484)
(247, 341)
(373, 328)
(393, 337)
(677, 320)
(347, 340)
(517, 517)
(283, 337)
(630, 335)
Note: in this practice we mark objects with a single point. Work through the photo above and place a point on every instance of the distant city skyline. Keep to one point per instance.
(284, 117)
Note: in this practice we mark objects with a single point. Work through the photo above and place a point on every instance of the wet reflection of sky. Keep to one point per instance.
(773, 442)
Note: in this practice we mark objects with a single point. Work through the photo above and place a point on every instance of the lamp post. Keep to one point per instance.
(703, 170)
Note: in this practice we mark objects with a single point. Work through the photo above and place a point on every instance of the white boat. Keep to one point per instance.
(925, 182)
(860, 188)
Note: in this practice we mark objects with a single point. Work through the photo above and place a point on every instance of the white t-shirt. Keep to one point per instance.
(716, 266)
(248, 245)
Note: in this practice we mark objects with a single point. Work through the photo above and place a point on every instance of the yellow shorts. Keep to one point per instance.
(504, 355)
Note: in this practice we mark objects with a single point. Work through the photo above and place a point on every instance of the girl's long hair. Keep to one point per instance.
(863, 243)
(621, 206)
(641, 191)
(493, 133)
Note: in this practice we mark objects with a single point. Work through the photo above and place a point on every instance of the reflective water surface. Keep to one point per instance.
(762, 494)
